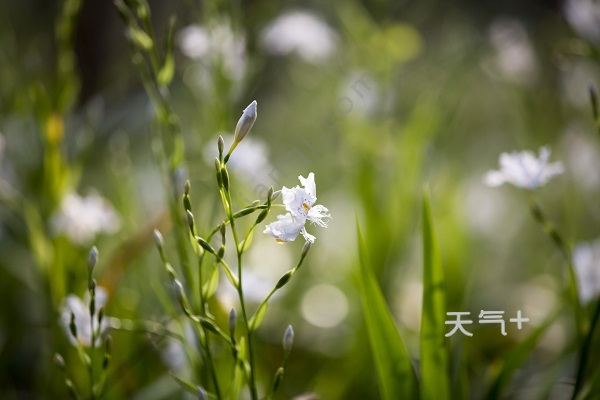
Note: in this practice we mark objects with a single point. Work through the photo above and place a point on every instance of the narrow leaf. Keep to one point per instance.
(210, 286)
(258, 317)
(435, 382)
(394, 370)
(515, 358)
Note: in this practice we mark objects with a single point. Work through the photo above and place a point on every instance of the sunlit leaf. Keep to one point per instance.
(395, 372)
(435, 383)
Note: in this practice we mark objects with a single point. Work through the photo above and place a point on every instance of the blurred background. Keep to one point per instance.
(377, 98)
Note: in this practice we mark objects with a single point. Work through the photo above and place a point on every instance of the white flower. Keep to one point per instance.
(302, 33)
(524, 170)
(586, 261)
(82, 218)
(299, 202)
(83, 322)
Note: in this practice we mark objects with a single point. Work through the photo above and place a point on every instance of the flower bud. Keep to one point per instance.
(221, 145)
(275, 195)
(179, 295)
(232, 322)
(92, 257)
(202, 393)
(186, 187)
(72, 326)
(190, 220)
(158, 239)
(218, 168)
(243, 126)
(245, 122)
(59, 361)
(288, 339)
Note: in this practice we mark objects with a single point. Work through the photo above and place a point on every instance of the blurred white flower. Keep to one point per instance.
(586, 261)
(251, 160)
(82, 218)
(300, 32)
(515, 56)
(524, 170)
(83, 321)
(584, 17)
(214, 45)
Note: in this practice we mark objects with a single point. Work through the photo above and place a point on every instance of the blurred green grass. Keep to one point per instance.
(414, 93)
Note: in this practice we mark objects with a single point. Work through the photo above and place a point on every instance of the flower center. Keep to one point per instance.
(305, 206)
(279, 240)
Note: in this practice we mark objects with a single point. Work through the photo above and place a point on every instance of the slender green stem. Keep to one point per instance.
(565, 250)
(226, 197)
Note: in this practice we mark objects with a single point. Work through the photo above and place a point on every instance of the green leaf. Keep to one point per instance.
(394, 370)
(258, 317)
(435, 382)
(140, 38)
(516, 357)
(165, 75)
(210, 286)
(247, 241)
(238, 375)
(187, 385)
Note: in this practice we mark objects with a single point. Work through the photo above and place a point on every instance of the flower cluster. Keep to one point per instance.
(300, 205)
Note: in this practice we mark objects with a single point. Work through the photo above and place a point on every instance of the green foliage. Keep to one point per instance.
(435, 372)
(394, 369)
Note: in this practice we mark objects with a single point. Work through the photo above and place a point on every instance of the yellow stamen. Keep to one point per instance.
(305, 206)
(279, 240)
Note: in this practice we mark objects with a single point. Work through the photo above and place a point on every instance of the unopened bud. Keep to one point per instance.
(288, 339)
(186, 187)
(100, 315)
(202, 393)
(245, 122)
(284, 279)
(255, 203)
(59, 361)
(243, 126)
(179, 295)
(225, 178)
(232, 322)
(221, 145)
(275, 195)
(222, 231)
(261, 217)
(219, 177)
(205, 245)
(190, 219)
(158, 239)
(270, 195)
(92, 257)
(73, 326)
(92, 285)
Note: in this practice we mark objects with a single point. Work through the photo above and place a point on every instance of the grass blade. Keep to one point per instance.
(394, 370)
(435, 382)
